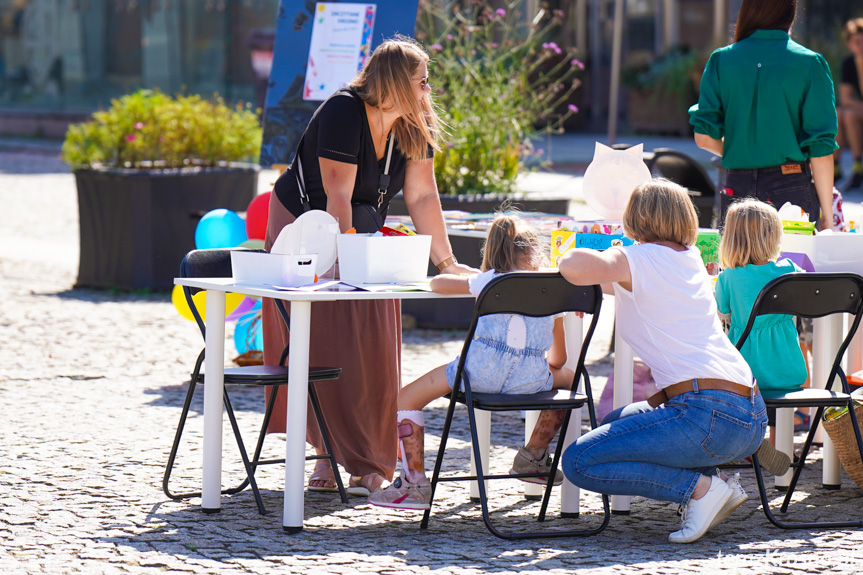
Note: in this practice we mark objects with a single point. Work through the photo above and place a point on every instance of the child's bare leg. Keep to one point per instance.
(411, 424)
(544, 431)
(561, 377)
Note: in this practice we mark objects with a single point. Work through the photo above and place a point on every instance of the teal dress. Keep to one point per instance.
(772, 349)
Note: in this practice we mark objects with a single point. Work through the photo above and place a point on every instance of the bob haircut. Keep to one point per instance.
(660, 211)
(852, 28)
(764, 15)
(511, 245)
(387, 81)
(752, 234)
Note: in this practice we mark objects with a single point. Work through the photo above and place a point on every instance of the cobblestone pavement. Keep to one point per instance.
(91, 387)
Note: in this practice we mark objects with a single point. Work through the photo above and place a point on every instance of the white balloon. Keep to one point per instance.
(611, 178)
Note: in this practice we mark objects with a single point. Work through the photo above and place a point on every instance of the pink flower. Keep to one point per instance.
(139, 125)
(130, 138)
(449, 36)
(573, 108)
(436, 47)
(494, 44)
(500, 12)
(540, 151)
(576, 63)
(552, 46)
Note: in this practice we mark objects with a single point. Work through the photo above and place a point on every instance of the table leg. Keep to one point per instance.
(826, 337)
(483, 434)
(570, 495)
(623, 358)
(784, 443)
(531, 490)
(298, 397)
(214, 389)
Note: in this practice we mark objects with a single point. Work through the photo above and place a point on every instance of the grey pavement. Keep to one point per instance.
(91, 387)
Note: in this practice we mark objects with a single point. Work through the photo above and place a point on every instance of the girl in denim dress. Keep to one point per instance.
(510, 354)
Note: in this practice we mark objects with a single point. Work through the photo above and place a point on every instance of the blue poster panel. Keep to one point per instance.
(321, 39)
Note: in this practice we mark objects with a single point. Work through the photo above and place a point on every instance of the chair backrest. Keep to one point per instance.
(535, 294)
(683, 170)
(812, 295)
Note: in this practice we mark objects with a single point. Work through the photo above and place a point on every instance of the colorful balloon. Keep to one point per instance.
(220, 229)
(248, 334)
(178, 298)
(256, 216)
(246, 305)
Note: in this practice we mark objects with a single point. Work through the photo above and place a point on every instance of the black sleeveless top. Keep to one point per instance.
(339, 131)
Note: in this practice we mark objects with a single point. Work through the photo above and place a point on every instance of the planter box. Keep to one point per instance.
(653, 112)
(136, 226)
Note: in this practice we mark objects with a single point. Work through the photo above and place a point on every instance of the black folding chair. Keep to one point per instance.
(685, 171)
(534, 294)
(810, 295)
(217, 263)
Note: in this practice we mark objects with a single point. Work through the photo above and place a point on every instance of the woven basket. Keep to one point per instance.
(841, 432)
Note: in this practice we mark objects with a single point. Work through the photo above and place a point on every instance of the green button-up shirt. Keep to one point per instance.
(770, 98)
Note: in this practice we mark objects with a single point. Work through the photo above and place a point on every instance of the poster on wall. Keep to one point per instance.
(340, 46)
(288, 108)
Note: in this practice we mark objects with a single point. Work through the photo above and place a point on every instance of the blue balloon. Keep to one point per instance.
(249, 334)
(220, 229)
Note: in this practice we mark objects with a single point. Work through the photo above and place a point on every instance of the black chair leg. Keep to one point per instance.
(439, 461)
(798, 465)
(325, 436)
(172, 457)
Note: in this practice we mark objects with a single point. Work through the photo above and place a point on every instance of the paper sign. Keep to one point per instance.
(341, 43)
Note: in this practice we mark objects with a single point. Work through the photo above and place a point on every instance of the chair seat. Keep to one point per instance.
(271, 374)
(551, 399)
(806, 397)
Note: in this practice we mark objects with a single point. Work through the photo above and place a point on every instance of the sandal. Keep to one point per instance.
(804, 421)
(323, 474)
(364, 485)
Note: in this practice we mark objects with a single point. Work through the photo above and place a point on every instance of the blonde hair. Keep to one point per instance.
(660, 211)
(511, 244)
(852, 27)
(387, 80)
(752, 234)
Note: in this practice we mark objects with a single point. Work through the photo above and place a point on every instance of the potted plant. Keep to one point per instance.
(661, 91)
(500, 82)
(146, 170)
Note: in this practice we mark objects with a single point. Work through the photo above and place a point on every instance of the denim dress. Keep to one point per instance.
(508, 351)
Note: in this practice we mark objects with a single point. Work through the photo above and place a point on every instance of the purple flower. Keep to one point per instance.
(494, 44)
(436, 47)
(449, 36)
(473, 52)
(139, 125)
(130, 138)
(500, 12)
(573, 108)
(540, 151)
(576, 63)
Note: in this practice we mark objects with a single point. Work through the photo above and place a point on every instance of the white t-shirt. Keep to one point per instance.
(669, 318)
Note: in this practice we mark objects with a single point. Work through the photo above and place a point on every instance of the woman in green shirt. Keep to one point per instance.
(767, 107)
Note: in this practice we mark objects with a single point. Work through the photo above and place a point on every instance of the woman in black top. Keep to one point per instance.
(851, 95)
(339, 166)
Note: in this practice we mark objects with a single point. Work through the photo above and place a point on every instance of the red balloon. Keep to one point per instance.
(256, 217)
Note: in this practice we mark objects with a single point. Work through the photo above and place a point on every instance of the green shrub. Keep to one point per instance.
(149, 130)
(495, 77)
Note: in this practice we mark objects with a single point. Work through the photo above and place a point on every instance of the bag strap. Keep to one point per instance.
(304, 199)
(384, 181)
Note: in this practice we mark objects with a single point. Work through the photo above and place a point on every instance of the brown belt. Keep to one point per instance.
(676, 389)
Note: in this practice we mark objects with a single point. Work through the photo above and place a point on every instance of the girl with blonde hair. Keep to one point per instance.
(510, 354)
(747, 252)
(362, 146)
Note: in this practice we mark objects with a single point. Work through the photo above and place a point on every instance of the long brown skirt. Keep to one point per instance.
(364, 339)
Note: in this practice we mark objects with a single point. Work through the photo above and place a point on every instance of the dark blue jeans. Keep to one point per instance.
(772, 186)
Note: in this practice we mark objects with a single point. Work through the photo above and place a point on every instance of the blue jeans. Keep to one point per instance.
(661, 453)
(772, 186)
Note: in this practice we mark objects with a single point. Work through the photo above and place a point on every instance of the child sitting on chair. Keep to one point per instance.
(510, 354)
(747, 253)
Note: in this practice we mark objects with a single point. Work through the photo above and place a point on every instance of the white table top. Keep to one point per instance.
(227, 284)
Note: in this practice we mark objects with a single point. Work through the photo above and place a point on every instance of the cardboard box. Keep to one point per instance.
(286, 270)
(366, 259)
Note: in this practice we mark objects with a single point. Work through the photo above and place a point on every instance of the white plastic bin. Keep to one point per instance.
(384, 259)
(287, 270)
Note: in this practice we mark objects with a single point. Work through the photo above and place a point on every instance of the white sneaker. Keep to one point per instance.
(738, 497)
(698, 515)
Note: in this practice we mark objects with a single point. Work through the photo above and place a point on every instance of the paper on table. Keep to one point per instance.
(415, 286)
